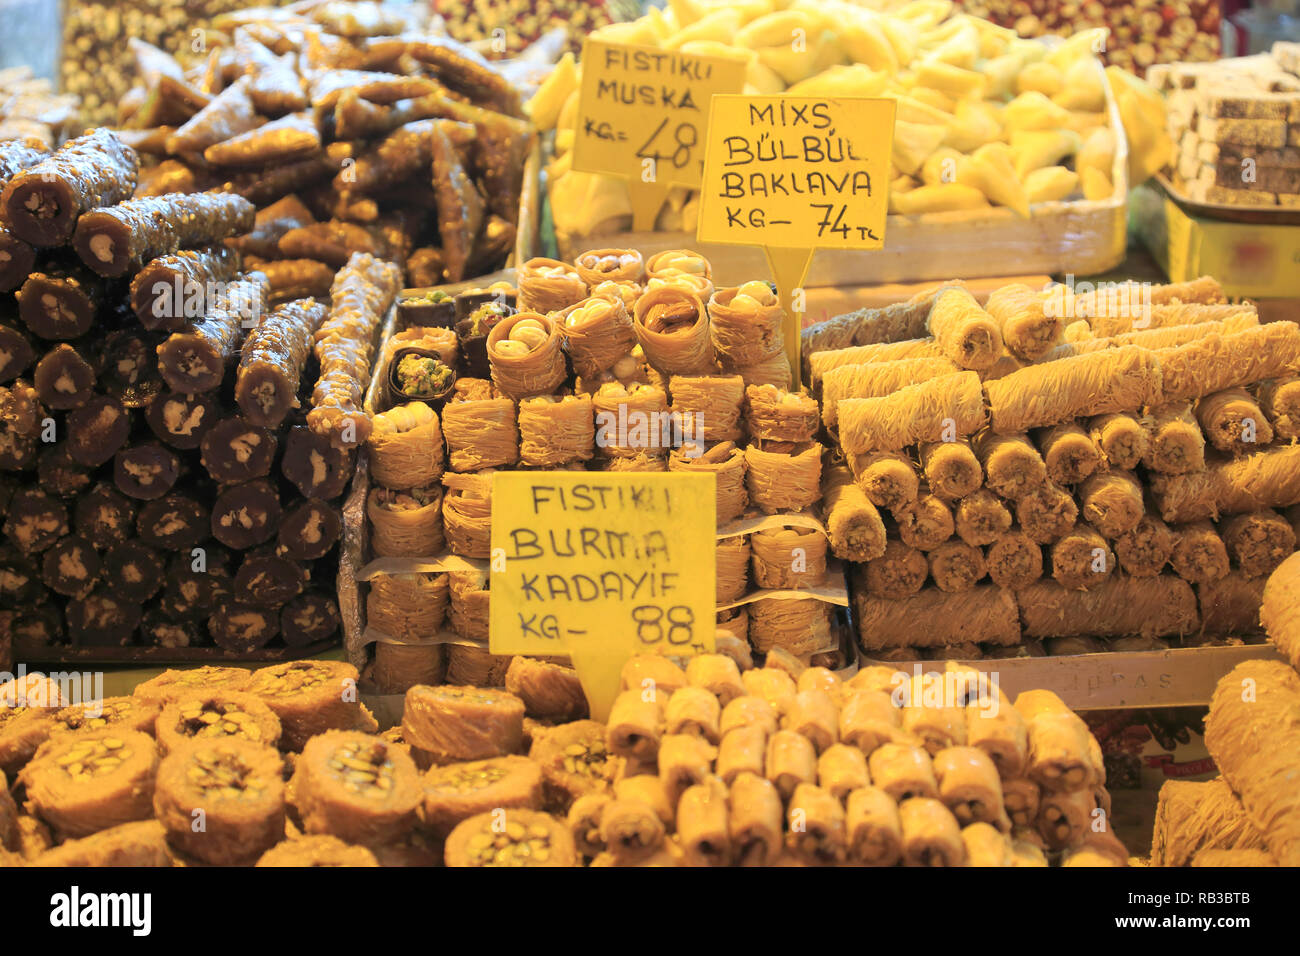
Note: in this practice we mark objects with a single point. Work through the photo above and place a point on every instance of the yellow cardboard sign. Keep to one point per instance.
(602, 566)
(794, 174)
(642, 115)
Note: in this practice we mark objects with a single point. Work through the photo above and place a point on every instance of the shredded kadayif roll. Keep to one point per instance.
(887, 478)
(788, 557)
(783, 476)
(1014, 560)
(1029, 331)
(1122, 439)
(478, 424)
(964, 332)
(1267, 479)
(1192, 816)
(1280, 399)
(598, 334)
(1158, 607)
(853, 524)
(673, 328)
(1232, 605)
(709, 405)
(948, 407)
(819, 363)
(1258, 541)
(951, 468)
(1199, 554)
(980, 518)
(775, 414)
(1069, 453)
(727, 462)
(930, 618)
(746, 324)
(405, 446)
(899, 572)
(891, 323)
(556, 430)
(1280, 609)
(1216, 362)
(1111, 501)
(876, 380)
(1233, 421)
(1175, 444)
(1013, 466)
(1254, 740)
(1115, 380)
(1144, 550)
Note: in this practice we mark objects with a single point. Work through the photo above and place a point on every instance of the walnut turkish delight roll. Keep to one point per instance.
(145, 471)
(63, 378)
(43, 202)
(314, 466)
(308, 530)
(89, 781)
(114, 240)
(17, 350)
(181, 420)
(272, 360)
(234, 450)
(174, 288)
(238, 788)
(195, 358)
(267, 579)
(245, 515)
(242, 628)
(16, 260)
(133, 570)
(60, 301)
(309, 619)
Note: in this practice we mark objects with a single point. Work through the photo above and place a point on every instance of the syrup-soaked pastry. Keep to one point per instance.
(460, 206)
(35, 520)
(63, 378)
(70, 567)
(228, 114)
(174, 684)
(195, 358)
(511, 837)
(356, 786)
(267, 580)
(118, 239)
(104, 516)
(60, 301)
(180, 420)
(102, 618)
(97, 430)
(265, 186)
(128, 368)
(461, 790)
(316, 851)
(159, 630)
(245, 515)
(238, 789)
(59, 474)
(234, 450)
(16, 260)
(85, 782)
(42, 203)
(396, 158)
(169, 176)
(145, 471)
(272, 361)
(270, 224)
(141, 843)
(241, 628)
(134, 571)
(172, 289)
(314, 466)
(216, 714)
(17, 352)
(175, 522)
(463, 723)
(297, 278)
(332, 242)
(308, 529)
(309, 697)
(282, 140)
(309, 619)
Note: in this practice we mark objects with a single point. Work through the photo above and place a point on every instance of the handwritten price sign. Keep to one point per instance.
(794, 174)
(601, 567)
(642, 115)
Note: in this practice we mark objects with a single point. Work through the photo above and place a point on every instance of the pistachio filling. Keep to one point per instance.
(94, 758)
(212, 718)
(293, 679)
(223, 776)
(588, 759)
(364, 769)
(108, 712)
(467, 781)
(518, 845)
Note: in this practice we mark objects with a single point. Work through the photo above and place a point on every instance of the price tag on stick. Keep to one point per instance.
(601, 567)
(795, 174)
(642, 114)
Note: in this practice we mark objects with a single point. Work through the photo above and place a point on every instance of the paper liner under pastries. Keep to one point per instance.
(684, 352)
(943, 408)
(931, 618)
(1253, 734)
(539, 292)
(744, 337)
(597, 333)
(539, 372)
(1194, 816)
(853, 524)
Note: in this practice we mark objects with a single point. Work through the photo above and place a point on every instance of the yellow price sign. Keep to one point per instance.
(794, 174)
(642, 115)
(602, 567)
